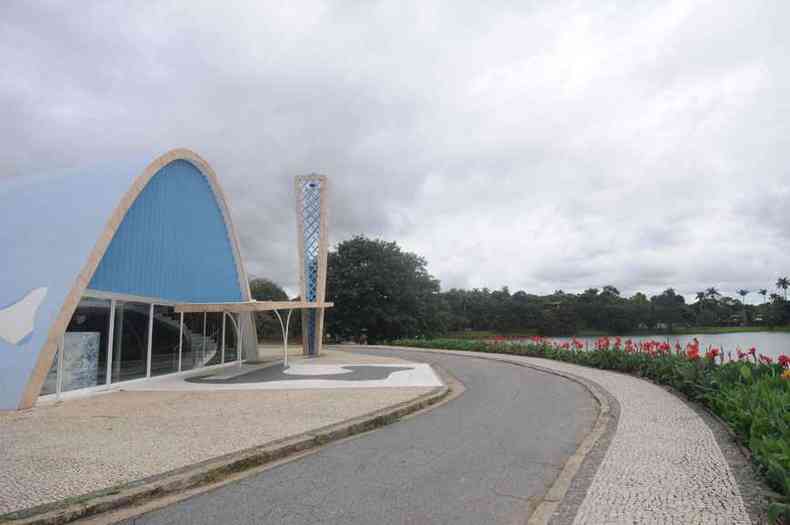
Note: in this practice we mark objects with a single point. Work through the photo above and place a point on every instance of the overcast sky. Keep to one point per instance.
(538, 145)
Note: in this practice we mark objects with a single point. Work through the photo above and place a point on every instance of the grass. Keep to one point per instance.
(752, 397)
(487, 334)
(730, 329)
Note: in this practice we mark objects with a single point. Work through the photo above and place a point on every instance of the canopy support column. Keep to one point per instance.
(284, 330)
(262, 306)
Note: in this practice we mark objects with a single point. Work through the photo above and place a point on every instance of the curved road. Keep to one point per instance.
(485, 457)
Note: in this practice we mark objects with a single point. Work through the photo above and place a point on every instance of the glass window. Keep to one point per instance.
(192, 347)
(85, 345)
(164, 341)
(231, 341)
(213, 347)
(130, 341)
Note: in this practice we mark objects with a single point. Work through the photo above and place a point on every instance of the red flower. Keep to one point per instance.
(784, 361)
(764, 359)
(692, 350)
(712, 354)
(752, 351)
(602, 343)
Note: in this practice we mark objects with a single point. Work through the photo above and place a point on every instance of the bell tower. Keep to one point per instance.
(311, 212)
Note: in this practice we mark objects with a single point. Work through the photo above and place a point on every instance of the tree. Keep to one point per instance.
(712, 293)
(669, 307)
(263, 289)
(266, 325)
(589, 295)
(763, 292)
(783, 283)
(743, 293)
(778, 310)
(382, 292)
(668, 297)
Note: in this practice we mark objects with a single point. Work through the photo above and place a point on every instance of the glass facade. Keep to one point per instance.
(165, 340)
(213, 341)
(192, 342)
(138, 344)
(130, 341)
(231, 340)
(84, 348)
(85, 345)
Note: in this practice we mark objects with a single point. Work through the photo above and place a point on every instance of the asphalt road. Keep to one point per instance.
(484, 457)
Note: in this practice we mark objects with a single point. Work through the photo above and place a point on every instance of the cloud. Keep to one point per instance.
(535, 145)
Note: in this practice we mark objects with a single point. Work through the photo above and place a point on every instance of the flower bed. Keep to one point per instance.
(749, 391)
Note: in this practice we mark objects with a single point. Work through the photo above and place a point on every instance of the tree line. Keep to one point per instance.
(605, 310)
(382, 292)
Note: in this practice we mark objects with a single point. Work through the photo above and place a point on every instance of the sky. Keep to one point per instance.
(535, 145)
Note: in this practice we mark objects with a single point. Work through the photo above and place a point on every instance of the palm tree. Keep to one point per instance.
(763, 292)
(700, 300)
(784, 284)
(743, 293)
(713, 293)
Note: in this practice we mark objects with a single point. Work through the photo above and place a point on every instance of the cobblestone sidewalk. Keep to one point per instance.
(663, 465)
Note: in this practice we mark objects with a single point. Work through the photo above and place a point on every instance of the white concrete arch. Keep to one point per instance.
(83, 278)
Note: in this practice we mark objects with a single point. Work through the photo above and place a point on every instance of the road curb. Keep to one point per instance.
(214, 470)
(549, 504)
(556, 494)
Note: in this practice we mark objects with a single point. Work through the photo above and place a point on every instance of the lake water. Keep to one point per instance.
(772, 344)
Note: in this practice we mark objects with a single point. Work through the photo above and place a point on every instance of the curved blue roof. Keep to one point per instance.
(173, 243)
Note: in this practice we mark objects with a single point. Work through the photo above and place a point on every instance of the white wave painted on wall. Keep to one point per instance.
(16, 321)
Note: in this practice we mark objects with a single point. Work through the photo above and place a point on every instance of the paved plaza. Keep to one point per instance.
(305, 375)
(79, 446)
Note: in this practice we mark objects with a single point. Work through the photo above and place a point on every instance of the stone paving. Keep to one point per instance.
(307, 374)
(663, 465)
(83, 445)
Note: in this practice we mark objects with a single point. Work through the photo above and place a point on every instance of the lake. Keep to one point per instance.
(772, 344)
